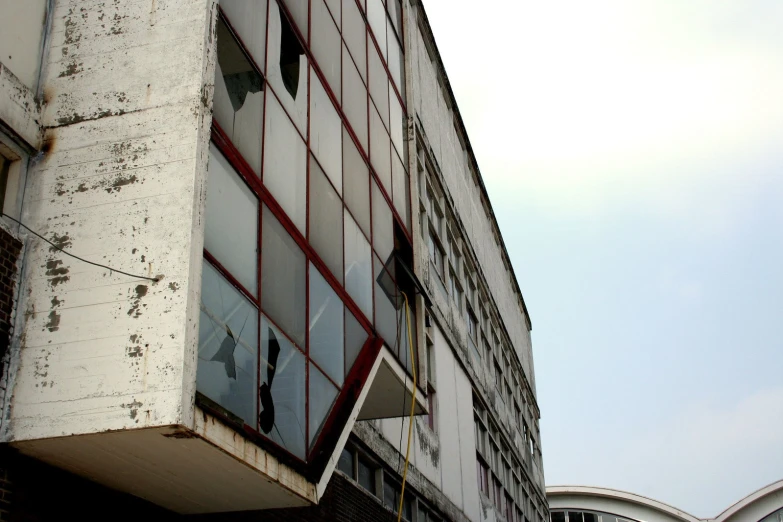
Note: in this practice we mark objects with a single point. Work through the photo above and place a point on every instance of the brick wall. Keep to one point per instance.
(10, 248)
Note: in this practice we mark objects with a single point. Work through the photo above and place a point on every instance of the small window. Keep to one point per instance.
(558, 516)
(345, 464)
(366, 475)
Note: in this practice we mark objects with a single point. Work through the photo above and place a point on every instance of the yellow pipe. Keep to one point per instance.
(413, 405)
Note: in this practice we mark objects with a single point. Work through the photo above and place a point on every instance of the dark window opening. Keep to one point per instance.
(345, 464)
(5, 165)
(290, 51)
(366, 476)
(239, 74)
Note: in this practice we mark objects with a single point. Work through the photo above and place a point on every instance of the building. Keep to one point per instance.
(590, 504)
(246, 251)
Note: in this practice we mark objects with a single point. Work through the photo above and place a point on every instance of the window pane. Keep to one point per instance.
(326, 327)
(228, 346)
(322, 397)
(282, 416)
(334, 7)
(382, 229)
(395, 61)
(355, 337)
(397, 125)
(355, 35)
(574, 516)
(284, 163)
(238, 100)
(286, 69)
(326, 45)
(379, 86)
(282, 278)
(401, 190)
(325, 133)
(345, 464)
(366, 476)
(376, 15)
(354, 100)
(298, 9)
(379, 149)
(395, 13)
(231, 228)
(326, 214)
(248, 18)
(357, 183)
(357, 266)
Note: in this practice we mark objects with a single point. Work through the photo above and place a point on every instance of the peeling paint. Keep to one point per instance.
(54, 321)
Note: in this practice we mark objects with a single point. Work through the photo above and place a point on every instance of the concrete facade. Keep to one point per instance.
(121, 124)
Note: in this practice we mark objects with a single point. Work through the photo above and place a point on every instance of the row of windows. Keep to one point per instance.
(305, 220)
(484, 332)
(500, 475)
(382, 484)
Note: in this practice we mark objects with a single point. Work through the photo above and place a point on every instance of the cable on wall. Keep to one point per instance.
(154, 279)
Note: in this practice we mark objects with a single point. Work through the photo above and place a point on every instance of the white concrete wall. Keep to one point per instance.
(121, 182)
(21, 36)
(446, 457)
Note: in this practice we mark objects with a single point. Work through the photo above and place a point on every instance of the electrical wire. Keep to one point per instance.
(413, 405)
(154, 279)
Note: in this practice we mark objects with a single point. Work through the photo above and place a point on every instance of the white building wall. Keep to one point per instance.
(21, 36)
(121, 183)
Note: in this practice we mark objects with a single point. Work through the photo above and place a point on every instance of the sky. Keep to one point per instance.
(633, 153)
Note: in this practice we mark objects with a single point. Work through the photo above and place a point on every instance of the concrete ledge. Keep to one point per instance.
(20, 113)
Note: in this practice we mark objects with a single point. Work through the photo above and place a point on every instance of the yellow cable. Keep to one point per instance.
(413, 405)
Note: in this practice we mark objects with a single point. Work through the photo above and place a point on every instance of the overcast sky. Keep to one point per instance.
(633, 152)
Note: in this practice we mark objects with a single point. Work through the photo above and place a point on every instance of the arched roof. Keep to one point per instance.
(758, 504)
(617, 499)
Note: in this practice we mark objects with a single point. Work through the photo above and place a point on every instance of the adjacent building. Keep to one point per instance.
(592, 504)
(245, 250)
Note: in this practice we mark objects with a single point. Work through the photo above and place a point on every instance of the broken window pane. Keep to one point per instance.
(285, 167)
(231, 206)
(326, 45)
(248, 18)
(376, 15)
(326, 327)
(355, 35)
(326, 133)
(322, 397)
(387, 306)
(382, 228)
(282, 278)
(287, 66)
(354, 99)
(326, 221)
(358, 269)
(282, 390)
(379, 149)
(355, 337)
(228, 346)
(357, 183)
(238, 100)
(298, 10)
(379, 86)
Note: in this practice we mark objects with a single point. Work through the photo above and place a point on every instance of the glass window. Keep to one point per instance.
(326, 133)
(379, 86)
(355, 100)
(396, 62)
(285, 167)
(228, 346)
(398, 125)
(376, 15)
(326, 327)
(238, 100)
(282, 278)
(334, 8)
(436, 255)
(358, 269)
(574, 516)
(366, 475)
(355, 35)
(326, 45)
(287, 66)
(357, 183)
(355, 337)
(282, 416)
(382, 228)
(345, 464)
(401, 190)
(395, 13)
(387, 307)
(379, 149)
(231, 226)
(298, 9)
(322, 396)
(248, 18)
(326, 216)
